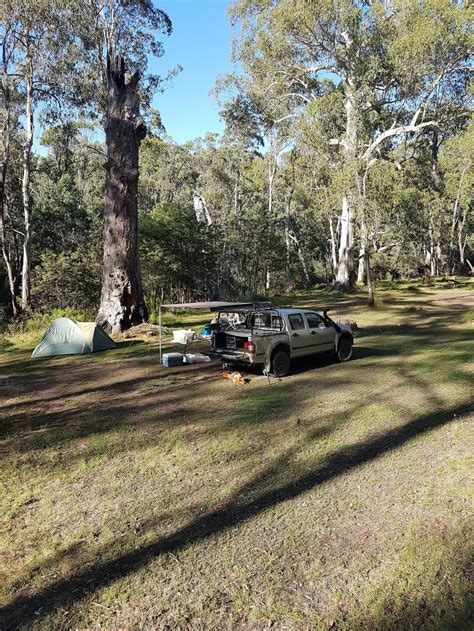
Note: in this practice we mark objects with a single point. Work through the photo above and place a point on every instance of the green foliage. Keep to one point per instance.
(69, 280)
(61, 222)
(274, 208)
(177, 254)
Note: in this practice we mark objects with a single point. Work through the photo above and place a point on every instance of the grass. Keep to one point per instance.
(135, 496)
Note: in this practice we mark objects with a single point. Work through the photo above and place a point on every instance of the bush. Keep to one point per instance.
(63, 281)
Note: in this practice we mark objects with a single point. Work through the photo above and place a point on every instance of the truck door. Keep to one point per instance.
(322, 336)
(299, 335)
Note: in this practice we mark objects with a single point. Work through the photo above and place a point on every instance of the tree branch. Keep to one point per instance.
(396, 131)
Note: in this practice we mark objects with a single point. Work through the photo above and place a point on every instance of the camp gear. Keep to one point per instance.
(183, 336)
(170, 360)
(235, 377)
(68, 337)
(206, 330)
(192, 358)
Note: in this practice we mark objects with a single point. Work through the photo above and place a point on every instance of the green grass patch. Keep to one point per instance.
(135, 496)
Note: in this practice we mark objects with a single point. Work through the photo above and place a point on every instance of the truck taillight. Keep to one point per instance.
(249, 347)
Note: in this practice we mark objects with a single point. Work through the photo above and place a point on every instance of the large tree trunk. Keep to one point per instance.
(345, 263)
(25, 188)
(121, 303)
(459, 222)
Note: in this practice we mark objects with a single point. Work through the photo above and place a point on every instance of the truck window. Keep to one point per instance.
(266, 320)
(314, 320)
(296, 321)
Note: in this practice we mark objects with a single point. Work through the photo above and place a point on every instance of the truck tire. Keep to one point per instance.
(280, 363)
(344, 349)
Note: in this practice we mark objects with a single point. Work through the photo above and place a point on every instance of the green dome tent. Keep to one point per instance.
(68, 337)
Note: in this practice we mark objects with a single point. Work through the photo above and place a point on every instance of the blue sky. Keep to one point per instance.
(201, 44)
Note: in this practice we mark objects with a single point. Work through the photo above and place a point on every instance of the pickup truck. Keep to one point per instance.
(259, 334)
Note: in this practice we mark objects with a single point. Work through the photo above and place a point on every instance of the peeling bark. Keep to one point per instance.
(121, 304)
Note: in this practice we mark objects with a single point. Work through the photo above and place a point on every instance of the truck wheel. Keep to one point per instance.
(344, 350)
(280, 363)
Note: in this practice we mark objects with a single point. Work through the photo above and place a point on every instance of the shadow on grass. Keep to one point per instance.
(63, 593)
(156, 387)
(315, 362)
(153, 403)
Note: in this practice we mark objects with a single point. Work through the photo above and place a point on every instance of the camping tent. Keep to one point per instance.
(68, 337)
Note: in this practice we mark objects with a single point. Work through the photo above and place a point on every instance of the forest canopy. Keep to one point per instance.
(347, 155)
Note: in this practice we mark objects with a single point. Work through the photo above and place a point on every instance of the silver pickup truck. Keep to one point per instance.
(271, 337)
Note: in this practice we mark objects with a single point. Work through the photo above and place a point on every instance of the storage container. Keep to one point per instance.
(183, 336)
(172, 359)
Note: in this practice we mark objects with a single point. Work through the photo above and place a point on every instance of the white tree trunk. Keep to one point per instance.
(26, 182)
(362, 264)
(346, 239)
(271, 177)
(430, 257)
(345, 262)
(334, 236)
(200, 209)
(458, 222)
(462, 239)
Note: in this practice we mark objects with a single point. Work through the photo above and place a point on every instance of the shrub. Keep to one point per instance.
(63, 281)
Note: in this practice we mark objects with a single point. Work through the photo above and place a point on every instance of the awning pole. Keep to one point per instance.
(159, 324)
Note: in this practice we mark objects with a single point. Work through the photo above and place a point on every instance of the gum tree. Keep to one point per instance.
(30, 52)
(385, 63)
(118, 36)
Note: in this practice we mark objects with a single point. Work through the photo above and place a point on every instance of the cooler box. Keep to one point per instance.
(172, 359)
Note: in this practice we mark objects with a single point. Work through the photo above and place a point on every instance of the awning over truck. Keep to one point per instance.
(210, 306)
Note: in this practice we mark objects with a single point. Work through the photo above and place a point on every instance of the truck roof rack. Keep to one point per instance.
(234, 307)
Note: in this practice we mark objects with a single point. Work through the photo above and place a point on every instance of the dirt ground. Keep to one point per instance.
(340, 497)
